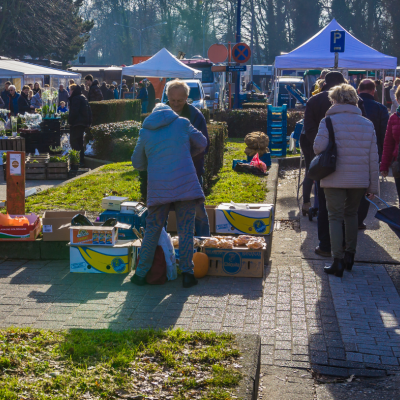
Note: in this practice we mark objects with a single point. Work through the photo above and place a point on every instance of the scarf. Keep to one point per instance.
(398, 111)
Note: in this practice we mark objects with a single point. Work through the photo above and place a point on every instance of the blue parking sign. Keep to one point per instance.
(337, 41)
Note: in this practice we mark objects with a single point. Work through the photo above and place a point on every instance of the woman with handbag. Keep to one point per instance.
(356, 171)
(391, 143)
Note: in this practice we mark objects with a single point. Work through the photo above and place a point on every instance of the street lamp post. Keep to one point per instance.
(140, 32)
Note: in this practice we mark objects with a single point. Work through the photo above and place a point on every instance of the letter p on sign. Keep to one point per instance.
(337, 41)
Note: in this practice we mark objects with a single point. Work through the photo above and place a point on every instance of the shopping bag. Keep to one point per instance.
(256, 162)
(158, 271)
(165, 242)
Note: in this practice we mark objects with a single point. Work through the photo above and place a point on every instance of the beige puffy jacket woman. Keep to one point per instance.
(357, 159)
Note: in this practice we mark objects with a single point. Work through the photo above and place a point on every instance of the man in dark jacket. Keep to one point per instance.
(94, 90)
(24, 104)
(178, 93)
(79, 118)
(316, 108)
(5, 95)
(143, 96)
(109, 93)
(103, 89)
(13, 97)
(63, 95)
(378, 114)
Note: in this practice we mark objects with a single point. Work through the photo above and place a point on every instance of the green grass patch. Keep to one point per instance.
(233, 186)
(87, 192)
(119, 179)
(78, 364)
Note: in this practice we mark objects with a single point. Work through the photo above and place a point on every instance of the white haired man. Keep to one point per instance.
(178, 93)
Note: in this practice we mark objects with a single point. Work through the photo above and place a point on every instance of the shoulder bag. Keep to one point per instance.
(324, 163)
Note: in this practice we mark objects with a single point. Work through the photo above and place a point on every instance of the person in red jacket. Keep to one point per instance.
(391, 143)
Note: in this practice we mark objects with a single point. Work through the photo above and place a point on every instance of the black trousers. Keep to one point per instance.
(76, 140)
(308, 156)
(324, 236)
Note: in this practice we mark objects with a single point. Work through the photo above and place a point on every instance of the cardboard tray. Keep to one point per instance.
(22, 233)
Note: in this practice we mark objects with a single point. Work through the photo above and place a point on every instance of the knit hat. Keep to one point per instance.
(334, 78)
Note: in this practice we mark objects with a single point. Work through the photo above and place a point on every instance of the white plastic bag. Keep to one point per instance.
(165, 242)
(89, 149)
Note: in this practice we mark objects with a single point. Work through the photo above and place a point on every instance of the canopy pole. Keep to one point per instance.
(383, 87)
(120, 87)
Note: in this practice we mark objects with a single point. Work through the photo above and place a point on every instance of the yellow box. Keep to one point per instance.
(119, 259)
(248, 219)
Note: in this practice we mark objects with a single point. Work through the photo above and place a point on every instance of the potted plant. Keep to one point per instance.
(74, 158)
(58, 159)
(56, 150)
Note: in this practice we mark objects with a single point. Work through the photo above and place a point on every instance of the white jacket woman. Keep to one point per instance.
(356, 172)
(357, 161)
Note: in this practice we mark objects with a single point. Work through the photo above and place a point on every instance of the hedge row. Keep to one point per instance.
(206, 114)
(115, 141)
(214, 159)
(143, 117)
(247, 106)
(242, 122)
(109, 111)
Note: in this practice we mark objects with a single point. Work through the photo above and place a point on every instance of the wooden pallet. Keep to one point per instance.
(12, 143)
(36, 166)
(57, 170)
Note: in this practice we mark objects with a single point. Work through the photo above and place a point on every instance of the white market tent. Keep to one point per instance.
(162, 65)
(27, 73)
(315, 54)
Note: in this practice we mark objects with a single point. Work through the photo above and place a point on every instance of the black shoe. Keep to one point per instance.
(362, 227)
(322, 253)
(348, 260)
(138, 280)
(336, 268)
(189, 280)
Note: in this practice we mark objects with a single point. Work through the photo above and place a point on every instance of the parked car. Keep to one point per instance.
(196, 97)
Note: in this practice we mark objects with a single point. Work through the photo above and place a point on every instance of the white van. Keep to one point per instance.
(196, 98)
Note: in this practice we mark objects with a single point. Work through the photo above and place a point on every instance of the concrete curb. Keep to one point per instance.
(249, 346)
(94, 163)
(272, 186)
(289, 162)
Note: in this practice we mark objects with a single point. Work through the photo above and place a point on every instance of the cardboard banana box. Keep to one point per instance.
(119, 259)
(248, 219)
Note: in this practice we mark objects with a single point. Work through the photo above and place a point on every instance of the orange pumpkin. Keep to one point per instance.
(201, 263)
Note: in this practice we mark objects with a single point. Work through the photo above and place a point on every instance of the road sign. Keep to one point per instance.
(337, 41)
(234, 68)
(241, 53)
(217, 53)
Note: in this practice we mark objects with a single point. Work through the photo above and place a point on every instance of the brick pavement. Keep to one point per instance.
(368, 310)
(46, 295)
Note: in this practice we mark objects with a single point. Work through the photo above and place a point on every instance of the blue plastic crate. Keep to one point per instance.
(134, 220)
(234, 162)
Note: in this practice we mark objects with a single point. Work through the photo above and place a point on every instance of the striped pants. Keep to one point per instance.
(155, 221)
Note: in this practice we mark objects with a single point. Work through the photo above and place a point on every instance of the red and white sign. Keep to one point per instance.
(217, 53)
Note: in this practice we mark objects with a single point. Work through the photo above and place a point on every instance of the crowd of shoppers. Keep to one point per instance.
(365, 136)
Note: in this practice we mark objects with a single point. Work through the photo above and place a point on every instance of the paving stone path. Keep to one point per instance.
(368, 311)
